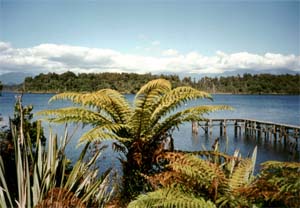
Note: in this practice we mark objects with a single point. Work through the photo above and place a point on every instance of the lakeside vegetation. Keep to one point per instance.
(154, 174)
(131, 83)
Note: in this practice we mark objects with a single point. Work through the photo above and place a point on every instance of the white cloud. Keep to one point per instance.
(4, 46)
(60, 58)
(170, 52)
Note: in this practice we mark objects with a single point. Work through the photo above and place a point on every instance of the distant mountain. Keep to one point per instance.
(12, 78)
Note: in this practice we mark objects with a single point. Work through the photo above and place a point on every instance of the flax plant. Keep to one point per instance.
(44, 179)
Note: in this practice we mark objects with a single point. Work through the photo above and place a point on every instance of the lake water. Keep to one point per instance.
(274, 108)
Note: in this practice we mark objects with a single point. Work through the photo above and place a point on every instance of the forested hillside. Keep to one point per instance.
(130, 83)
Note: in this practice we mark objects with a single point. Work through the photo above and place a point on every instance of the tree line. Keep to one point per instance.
(1, 86)
(252, 84)
(131, 82)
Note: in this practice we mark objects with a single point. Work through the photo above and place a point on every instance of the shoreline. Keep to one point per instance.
(216, 93)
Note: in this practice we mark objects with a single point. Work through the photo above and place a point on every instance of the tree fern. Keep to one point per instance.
(141, 127)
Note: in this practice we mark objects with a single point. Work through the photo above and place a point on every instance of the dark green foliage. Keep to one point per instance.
(277, 185)
(68, 81)
(1, 87)
(130, 83)
(30, 127)
(171, 197)
(252, 84)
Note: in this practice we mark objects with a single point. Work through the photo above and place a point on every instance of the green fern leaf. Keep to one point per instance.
(170, 197)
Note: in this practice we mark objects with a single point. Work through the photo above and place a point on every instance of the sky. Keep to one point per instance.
(150, 36)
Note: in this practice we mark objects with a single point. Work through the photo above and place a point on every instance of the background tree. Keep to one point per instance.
(1, 87)
(140, 130)
(23, 117)
(131, 83)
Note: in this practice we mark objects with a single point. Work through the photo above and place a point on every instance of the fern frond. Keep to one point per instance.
(74, 114)
(111, 101)
(205, 109)
(170, 197)
(147, 97)
(150, 93)
(280, 165)
(188, 115)
(104, 132)
(175, 98)
(231, 200)
(203, 172)
(151, 90)
(72, 96)
(241, 174)
(114, 103)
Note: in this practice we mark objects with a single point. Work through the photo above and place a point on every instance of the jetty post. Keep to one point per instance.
(235, 128)
(194, 127)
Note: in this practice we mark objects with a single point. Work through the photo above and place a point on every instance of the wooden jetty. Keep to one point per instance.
(254, 128)
(287, 134)
(251, 127)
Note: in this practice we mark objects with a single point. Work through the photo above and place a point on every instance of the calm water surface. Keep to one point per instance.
(275, 108)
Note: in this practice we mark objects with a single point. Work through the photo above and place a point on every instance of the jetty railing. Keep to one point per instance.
(287, 134)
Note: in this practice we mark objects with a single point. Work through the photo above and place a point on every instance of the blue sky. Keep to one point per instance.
(251, 34)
